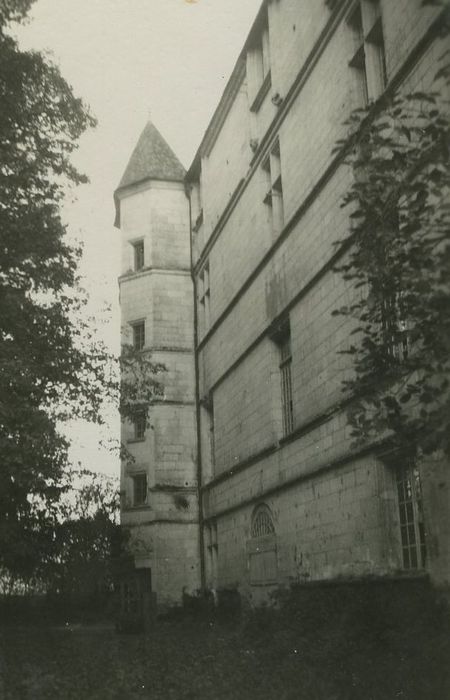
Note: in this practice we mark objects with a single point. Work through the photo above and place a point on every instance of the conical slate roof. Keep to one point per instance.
(152, 158)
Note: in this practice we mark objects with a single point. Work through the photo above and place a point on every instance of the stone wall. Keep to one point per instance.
(334, 511)
(164, 529)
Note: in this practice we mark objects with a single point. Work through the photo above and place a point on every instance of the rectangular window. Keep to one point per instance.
(140, 426)
(140, 489)
(264, 53)
(412, 529)
(286, 385)
(204, 297)
(196, 206)
(283, 341)
(358, 60)
(394, 326)
(138, 255)
(369, 58)
(274, 194)
(258, 66)
(207, 435)
(138, 335)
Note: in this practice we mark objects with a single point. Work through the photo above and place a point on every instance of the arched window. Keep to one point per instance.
(262, 522)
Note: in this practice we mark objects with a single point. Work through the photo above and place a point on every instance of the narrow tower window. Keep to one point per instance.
(138, 255)
(140, 489)
(138, 335)
(140, 425)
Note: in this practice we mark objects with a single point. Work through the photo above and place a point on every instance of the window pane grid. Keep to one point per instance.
(412, 529)
(286, 385)
(286, 392)
(394, 327)
(140, 489)
(262, 523)
(138, 335)
(274, 195)
(368, 54)
(139, 255)
(140, 425)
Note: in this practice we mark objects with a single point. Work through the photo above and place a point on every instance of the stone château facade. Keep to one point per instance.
(247, 478)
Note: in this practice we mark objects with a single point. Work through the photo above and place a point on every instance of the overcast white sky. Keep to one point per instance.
(130, 60)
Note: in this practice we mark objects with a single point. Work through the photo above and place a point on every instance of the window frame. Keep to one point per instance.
(204, 296)
(287, 403)
(410, 513)
(140, 426)
(271, 165)
(283, 339)
(369, 56)
(138, 255)
(261, 49)
(394, 327)
(140, 481)
(262, 522)
(259, 65)
(137, 327)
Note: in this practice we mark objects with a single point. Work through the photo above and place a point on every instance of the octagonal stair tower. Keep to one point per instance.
(159, 488)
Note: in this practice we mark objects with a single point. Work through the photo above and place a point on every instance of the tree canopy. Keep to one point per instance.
(51, 366)
(398, 263)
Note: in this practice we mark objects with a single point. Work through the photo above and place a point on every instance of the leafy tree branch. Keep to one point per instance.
(398, 263)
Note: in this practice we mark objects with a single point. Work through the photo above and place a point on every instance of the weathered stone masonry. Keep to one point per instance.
(283, 497)
(160, 486)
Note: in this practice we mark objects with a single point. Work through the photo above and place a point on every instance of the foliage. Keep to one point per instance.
(87, 538)
(398, 263)
(81, 543)
(377, 641)
(13, 11)
(139, 382)
(52, 368)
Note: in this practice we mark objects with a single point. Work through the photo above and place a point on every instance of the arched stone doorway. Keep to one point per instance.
(262, 548)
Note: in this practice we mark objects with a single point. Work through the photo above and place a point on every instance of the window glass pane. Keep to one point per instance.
(140, 489)
(402, 515)
(409, 512)
(404, 535)
(412, 529)
(262, 523)
(411, 534)
(140, 424)
(139, 255)
(138, 335)
(406, 559)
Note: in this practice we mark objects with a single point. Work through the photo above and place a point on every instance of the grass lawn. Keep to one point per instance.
(338, 646)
